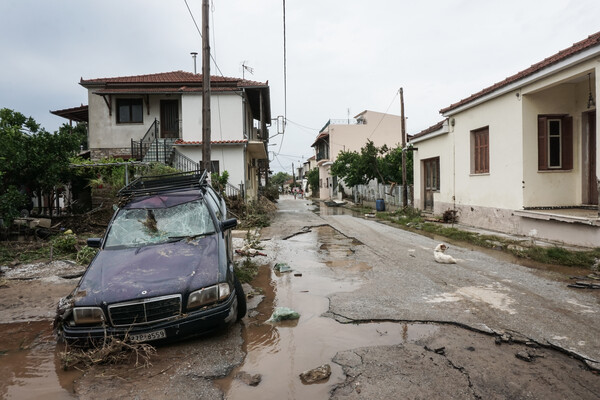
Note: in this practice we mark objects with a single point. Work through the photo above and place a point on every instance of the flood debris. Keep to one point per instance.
(527, 356)
(591, 281)
(282, 267)
(249, 252)
(316, 374)
(248, 379)
(438, 350)
(503, 338)
(584, 285)
(283, 313)
(111, 351)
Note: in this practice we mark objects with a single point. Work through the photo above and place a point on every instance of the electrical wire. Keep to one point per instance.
(384, 114)
(212, 10)
(284, 80)
(200, 33)
(302, 126)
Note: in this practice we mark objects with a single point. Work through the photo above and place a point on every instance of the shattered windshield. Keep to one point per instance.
(134, 227)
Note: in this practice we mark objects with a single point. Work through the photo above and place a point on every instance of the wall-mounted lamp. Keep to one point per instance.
(452, 121)
(591, 102)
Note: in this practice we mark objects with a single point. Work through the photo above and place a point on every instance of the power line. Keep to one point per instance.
(384, 114)
(302, 126)
(284, 80)
(200, 33)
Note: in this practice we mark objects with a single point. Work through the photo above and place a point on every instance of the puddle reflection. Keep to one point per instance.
(30, 363)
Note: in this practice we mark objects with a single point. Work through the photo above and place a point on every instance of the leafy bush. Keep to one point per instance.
(270, 191)
(85, 255)
(219, 182)
(65, 243)
(11, 203)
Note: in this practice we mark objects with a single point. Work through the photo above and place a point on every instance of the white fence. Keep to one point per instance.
(392, 196)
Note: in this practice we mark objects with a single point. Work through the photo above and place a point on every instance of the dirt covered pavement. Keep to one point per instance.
(373, 305)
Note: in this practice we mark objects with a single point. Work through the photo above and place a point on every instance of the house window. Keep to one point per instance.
(214, 167)
(480, 151)
(130, 111)
(555, 142)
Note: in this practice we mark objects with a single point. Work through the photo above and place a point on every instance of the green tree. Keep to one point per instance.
(349, 165)
(33, 158)
(372, 162)
(313, 180)
(280, 178)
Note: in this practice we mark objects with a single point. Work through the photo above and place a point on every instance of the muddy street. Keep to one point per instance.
(373, 305)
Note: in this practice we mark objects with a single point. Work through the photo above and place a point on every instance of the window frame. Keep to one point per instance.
(480, 151)
(130, 102)
(545, 143)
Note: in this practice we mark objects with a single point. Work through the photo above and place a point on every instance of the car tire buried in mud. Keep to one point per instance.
(241, 298)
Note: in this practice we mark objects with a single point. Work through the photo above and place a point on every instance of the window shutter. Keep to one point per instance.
(567, 143)
(542, 143)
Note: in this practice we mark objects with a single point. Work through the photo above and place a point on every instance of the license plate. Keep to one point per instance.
(146, 337)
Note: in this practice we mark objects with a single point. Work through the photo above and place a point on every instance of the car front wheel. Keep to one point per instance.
(241, 298)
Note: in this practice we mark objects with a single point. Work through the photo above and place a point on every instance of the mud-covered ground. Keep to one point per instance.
(385, 332)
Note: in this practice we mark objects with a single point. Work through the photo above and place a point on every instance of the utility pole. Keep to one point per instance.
(404, 185)
(205, 89)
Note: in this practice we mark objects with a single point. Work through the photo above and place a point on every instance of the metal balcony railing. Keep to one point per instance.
(139, 148)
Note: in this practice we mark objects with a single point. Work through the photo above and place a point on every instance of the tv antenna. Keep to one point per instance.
(245, 68)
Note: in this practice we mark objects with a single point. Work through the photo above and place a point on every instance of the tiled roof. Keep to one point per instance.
(198, 142)
(79, 114)
(432, 128)
(591, 41)
(321, 135)
(178, 78)
(160, 90)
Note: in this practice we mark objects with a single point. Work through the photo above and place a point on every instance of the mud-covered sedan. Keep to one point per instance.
(164, 269)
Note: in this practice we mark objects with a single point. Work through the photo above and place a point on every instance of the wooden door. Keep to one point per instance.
(431, 181)
(169, 119)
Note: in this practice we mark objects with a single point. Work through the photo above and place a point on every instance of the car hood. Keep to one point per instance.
(118, 275)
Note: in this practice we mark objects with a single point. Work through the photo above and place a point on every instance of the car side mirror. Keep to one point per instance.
(95, 242)
(228, 224)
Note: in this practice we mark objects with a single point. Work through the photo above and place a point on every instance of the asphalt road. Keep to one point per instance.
(480, 292)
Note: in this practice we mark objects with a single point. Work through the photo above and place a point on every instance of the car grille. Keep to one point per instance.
(145, 311)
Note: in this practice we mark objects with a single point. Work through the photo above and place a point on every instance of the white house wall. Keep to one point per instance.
(435, 147)
(564, 186)
(104, 132)
(231, 159)
(502, 186)
(226, 117)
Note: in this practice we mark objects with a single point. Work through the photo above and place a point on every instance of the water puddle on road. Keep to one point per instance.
(323, 210)
(279, 352)
(30, 363)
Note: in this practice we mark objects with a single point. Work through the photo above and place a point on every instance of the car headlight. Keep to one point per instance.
(88, 315)
(208, 295)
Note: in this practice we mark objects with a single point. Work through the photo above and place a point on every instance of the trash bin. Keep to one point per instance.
(379, 205)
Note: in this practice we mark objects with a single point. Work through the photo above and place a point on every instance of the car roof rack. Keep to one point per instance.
(154, 184)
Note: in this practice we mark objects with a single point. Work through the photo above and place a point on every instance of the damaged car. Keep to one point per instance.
(164, 269)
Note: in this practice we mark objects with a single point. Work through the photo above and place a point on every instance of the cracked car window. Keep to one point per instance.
(134, 227)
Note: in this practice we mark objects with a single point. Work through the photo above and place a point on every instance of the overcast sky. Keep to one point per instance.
(343, 56)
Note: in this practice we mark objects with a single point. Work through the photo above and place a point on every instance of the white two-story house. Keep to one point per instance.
(158, 117)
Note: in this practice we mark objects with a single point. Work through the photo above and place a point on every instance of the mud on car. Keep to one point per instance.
(164, 269)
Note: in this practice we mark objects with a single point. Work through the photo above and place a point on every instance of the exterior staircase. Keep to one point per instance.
(160, 150)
